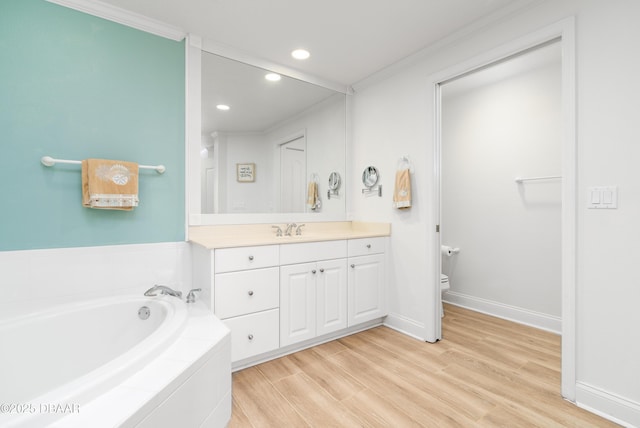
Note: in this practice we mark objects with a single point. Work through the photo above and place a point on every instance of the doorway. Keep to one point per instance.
(501, 188)
(564, 32)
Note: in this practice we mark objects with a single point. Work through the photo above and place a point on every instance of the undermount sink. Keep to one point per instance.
(294, 237)
(226, 236)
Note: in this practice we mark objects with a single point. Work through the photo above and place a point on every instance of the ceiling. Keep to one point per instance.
(348, 39)
(256, 103)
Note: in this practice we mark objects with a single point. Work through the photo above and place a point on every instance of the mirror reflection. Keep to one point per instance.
(334, 181)
(334, 185)
(370, 176)
(264, 139)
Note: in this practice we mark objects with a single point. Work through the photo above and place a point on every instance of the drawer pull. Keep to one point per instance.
(369, 246)
(313, 271)
(250, 258)
(321, 270)
(250, 337)
(250, 292)
(353, 266)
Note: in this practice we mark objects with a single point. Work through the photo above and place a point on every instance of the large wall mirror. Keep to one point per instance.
(260, 153)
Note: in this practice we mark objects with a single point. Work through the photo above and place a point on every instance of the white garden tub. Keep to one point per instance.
(99, 364)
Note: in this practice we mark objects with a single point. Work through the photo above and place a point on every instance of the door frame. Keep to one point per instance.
(564, 31)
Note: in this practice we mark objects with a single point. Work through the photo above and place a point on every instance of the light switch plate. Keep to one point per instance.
(603, 197)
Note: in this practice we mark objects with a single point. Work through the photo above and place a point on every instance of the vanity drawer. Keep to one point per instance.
(242, 258)
(245, 292)
(366, 246)
(254, 334)
(312, 252)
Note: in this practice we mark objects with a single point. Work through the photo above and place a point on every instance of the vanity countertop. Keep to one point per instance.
(245, 235)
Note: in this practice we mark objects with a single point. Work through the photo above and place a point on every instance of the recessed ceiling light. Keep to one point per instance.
(300, 54)
(273, 77)
(223, 107)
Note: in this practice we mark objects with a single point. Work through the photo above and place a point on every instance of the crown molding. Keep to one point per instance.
(124, 17)
(502, 14)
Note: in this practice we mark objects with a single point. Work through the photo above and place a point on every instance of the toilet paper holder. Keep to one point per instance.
(449, 251)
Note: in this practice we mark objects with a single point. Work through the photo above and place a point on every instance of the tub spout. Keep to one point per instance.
(163, 289)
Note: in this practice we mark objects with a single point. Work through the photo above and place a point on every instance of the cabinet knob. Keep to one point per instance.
(313, 271)
(250, 292)
(368, 245)
(321, 270)
(250, 337)
(353, 265)
(250, 257)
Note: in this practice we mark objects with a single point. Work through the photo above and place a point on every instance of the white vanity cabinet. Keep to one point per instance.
(366, 279)
(275, 297)
(313, 290)
(246, 297)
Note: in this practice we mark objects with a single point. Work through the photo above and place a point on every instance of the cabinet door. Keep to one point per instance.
(331, 295)
(297, 303)
(366, 288)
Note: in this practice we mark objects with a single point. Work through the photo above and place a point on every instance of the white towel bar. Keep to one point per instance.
(49, 161)
(548, 177)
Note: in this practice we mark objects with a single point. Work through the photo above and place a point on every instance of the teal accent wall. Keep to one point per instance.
(73, 86)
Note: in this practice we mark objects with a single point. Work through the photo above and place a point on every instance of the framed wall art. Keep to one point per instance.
(246, 172)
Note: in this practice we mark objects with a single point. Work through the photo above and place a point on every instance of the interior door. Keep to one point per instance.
(293, 172)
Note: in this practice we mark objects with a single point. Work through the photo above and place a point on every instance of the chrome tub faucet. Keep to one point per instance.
(163, 289)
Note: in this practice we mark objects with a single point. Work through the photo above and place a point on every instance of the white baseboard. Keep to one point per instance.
(500, 310)
(296, 347)
(405, 325)
(610, 406)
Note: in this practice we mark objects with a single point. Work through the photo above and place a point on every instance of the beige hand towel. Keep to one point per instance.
(109, 184)
(402, 190)
(312, 195)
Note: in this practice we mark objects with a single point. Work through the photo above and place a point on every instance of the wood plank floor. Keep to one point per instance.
(486, 372)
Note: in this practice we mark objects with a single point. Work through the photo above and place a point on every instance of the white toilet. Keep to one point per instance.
(444, 286)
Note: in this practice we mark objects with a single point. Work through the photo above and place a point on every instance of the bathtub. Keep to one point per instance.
(100, 364)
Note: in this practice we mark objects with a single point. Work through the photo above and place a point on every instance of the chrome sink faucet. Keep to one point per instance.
(290, 226)
(278, 230)
(163, 289)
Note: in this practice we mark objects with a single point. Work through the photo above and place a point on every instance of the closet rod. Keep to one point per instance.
(548, 177)
(49, 161)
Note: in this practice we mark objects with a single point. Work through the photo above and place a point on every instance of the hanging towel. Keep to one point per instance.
(313, 197)
(109, 184)
(402, 190)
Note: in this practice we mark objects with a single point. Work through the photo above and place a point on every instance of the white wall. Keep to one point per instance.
(38, 279)
(249, 197)
(509, 233)
(393, 115)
